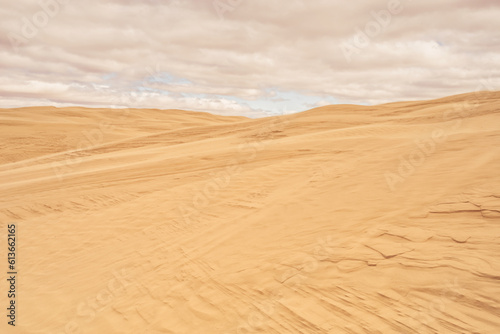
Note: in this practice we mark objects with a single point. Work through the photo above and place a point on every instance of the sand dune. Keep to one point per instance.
(340, 219)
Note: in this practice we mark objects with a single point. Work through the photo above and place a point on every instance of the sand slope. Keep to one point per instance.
(341, 219)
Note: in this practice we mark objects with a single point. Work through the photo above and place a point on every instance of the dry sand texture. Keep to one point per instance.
(341, 219)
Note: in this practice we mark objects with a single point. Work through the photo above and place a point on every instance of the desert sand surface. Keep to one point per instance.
(340, 219)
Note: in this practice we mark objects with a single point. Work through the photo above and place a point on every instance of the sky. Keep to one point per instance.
(253, 58)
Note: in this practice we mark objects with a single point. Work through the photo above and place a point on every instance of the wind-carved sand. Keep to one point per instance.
(341, 219)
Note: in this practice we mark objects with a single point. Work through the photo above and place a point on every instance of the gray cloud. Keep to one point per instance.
(194, 55)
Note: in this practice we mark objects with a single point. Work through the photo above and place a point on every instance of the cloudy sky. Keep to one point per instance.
(244, 57)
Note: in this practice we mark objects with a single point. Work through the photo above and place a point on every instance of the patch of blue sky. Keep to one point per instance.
(167, 78)
(273, 102)
(279, 102)
(109, 76)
